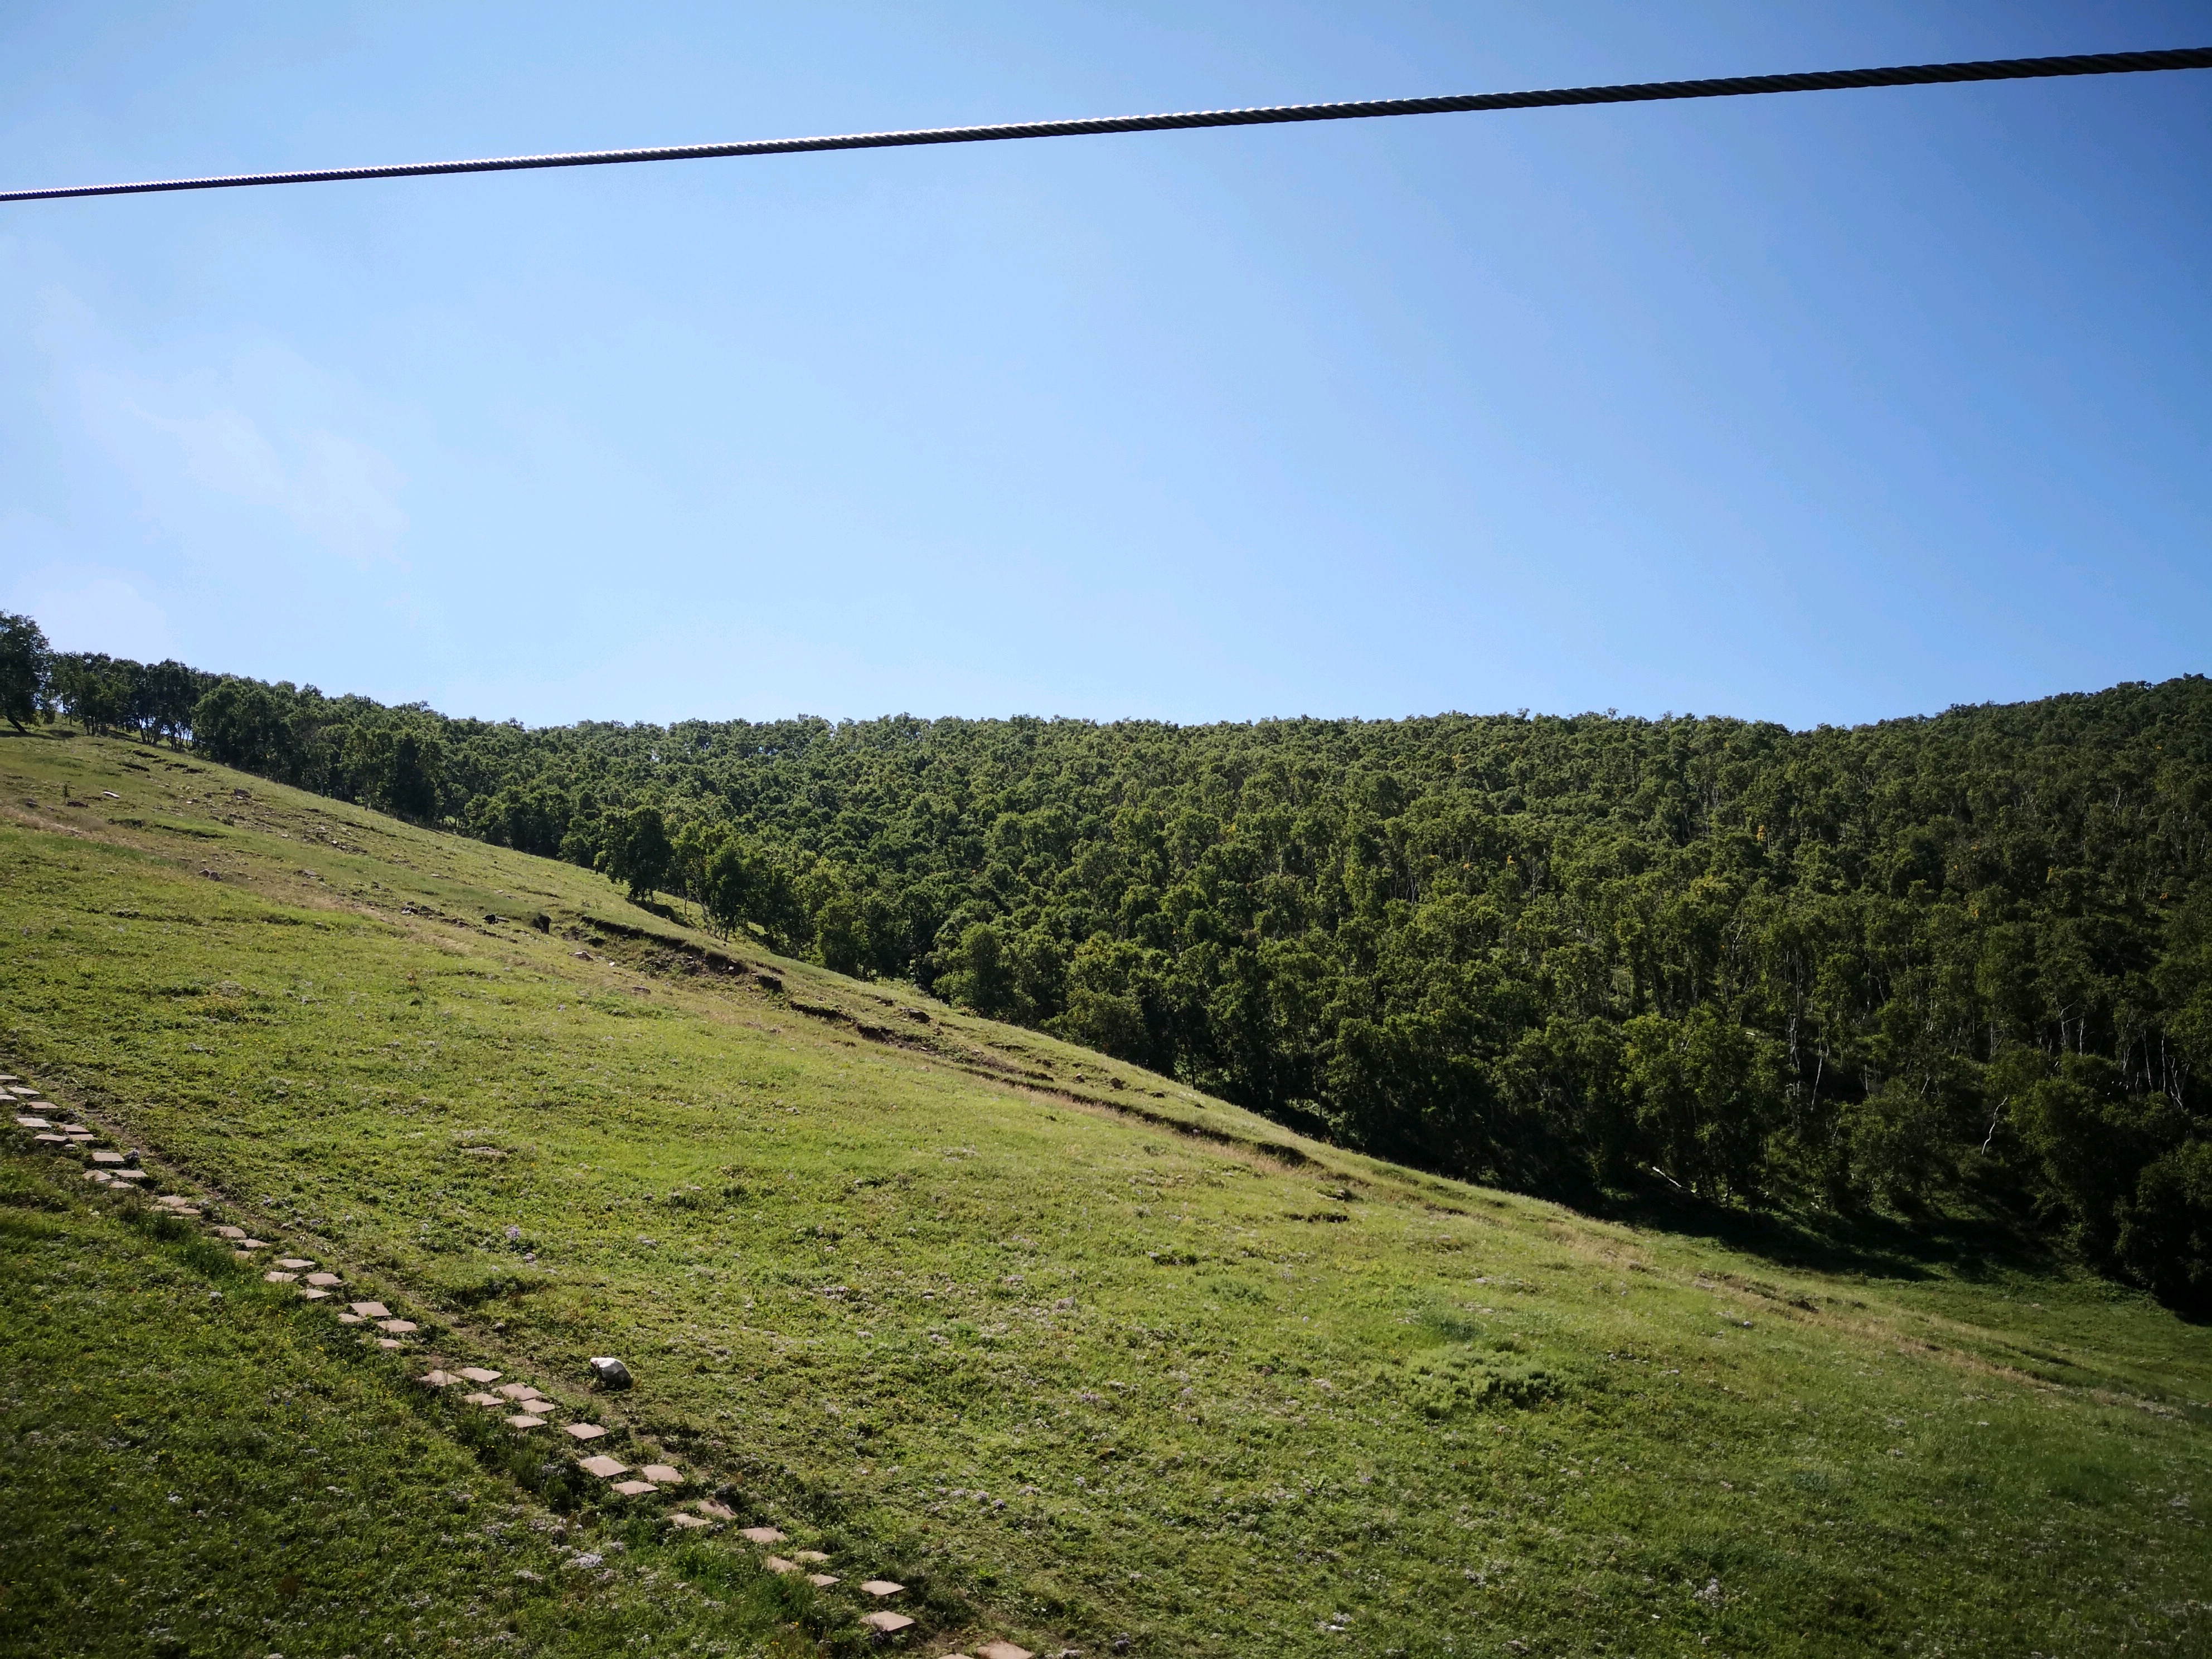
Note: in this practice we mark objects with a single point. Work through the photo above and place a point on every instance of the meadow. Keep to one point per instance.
(1087, 1360)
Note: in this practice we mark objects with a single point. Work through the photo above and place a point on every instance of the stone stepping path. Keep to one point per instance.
(528, 1409)
(882, 1620)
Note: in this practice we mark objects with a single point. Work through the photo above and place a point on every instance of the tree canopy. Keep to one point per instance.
(26, 670)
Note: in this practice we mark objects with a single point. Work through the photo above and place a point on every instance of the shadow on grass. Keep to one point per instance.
(1869, 1244)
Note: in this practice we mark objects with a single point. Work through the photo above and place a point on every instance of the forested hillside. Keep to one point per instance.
(1957, 961)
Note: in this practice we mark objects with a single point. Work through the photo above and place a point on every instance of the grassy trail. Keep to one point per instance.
(1086, 1360)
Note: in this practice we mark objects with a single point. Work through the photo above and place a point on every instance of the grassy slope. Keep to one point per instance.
(934, 1295)
(197, 1466)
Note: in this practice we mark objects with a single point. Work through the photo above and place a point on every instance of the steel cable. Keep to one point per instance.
(1740, 85)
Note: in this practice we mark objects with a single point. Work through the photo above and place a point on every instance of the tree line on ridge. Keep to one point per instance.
(1957, 962)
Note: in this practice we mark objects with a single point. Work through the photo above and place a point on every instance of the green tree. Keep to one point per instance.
(26, 670)
(635, 850)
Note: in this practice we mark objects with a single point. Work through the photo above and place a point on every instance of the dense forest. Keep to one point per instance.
(1958, 962)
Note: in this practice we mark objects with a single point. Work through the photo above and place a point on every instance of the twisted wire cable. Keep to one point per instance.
(1739, 86)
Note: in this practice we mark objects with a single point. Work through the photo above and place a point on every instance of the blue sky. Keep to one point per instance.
(1820, 409)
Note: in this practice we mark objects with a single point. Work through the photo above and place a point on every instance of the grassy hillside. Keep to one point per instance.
(1929, 968)
(1084, 1359)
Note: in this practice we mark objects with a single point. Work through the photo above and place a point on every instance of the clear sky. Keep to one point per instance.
(1814, 409)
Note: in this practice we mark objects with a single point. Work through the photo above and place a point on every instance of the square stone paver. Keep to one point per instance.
(33, 1123)
(325, 1280)
(777, 1564)
(309, 1293)
(688, 1521)
(108, 1158)
(230, 1232)
(586, 1431)
(1002, 1651)
(296, 1263)
(132, 1175)
(50, 1140)
(276, 1278)
(720, 1511)
(634, 1488)
(478, 1374)
(370, 1309)
(524, 1420)
(663, 1474)
(437, 1379)
(518, 1391)
(351, 1319)
(390, 1343)
(761, 1536)
(101, 1176)
(482, 1400)
(603, 1466)
(397, 1327)
(885, 1621)
(247, 1245)
(820, 1580)
(883, 1586)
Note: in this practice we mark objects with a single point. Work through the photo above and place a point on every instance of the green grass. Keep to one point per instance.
(1078, 1355)
(197, 1463)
